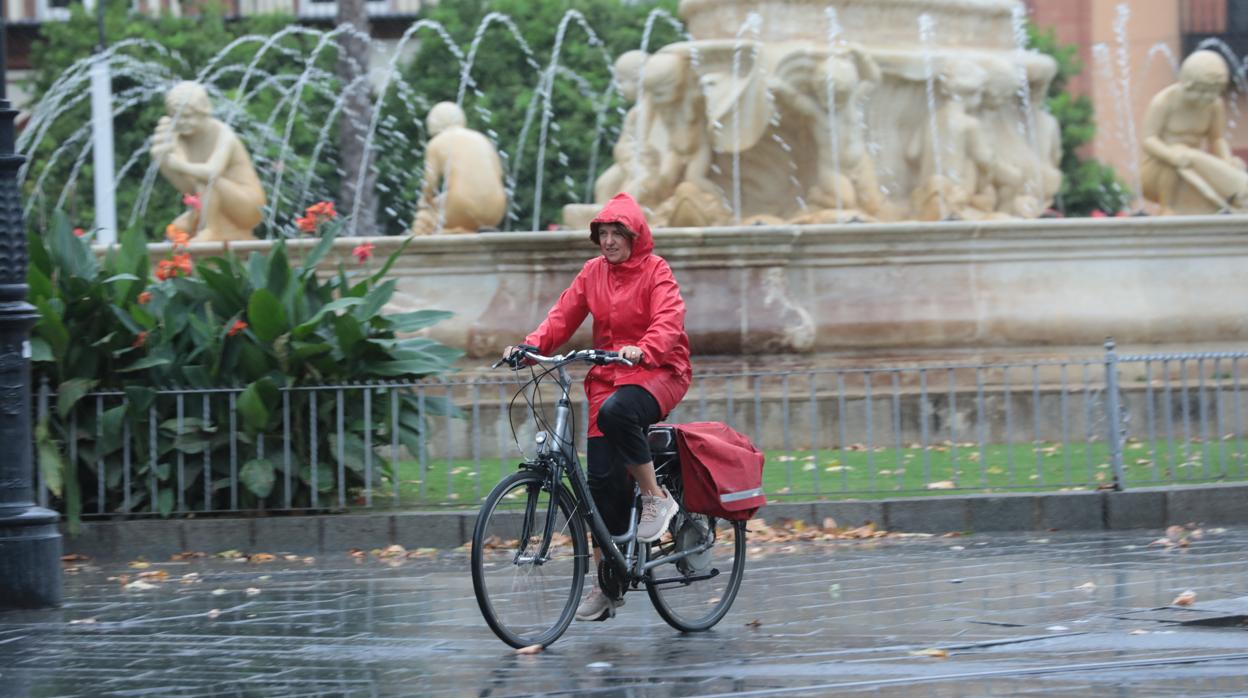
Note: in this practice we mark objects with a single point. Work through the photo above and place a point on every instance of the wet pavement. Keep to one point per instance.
(1054, 613)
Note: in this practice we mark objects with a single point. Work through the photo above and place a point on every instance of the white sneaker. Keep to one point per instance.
(597, 606)
(656, 514)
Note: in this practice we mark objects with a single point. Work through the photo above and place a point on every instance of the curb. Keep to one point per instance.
(335, 534)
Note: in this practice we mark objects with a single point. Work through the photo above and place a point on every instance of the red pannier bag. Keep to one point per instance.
(721, 470)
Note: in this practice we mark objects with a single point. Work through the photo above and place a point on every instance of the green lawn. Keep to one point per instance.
(858, 473)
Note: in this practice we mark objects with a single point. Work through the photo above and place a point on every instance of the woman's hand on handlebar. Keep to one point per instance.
(632, 353)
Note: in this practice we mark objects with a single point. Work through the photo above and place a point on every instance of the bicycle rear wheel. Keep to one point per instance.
(525, 598)
(695, 593)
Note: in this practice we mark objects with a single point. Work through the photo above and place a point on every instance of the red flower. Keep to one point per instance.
(165, 270)
(363, 252)
(321, 209)
(192, 200)
(314, 215)
(237, 327)
(139, 340)
(1098, 213)
(182, 262)
(79, 232)
(145, 298)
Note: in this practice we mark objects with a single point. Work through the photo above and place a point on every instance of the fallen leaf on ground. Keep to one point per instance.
(531, 649)
(252, 591)
(74, 557)
(214, 613)
(1187, 598)
(186, 555)
(1138, 631)
(1086, 586)
(139, 565)
(154, 575)
(139, 585)
(261, 557)
(83, 621)
(756, 623)
(941, 485)
(932, 652)
(230, 554)
(218, 592)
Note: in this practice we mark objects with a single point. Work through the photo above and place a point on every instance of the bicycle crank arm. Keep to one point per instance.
(686, 580)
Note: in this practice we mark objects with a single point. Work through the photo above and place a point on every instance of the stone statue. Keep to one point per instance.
(674, 122)
(1014, 171)
(634, 158)
(465, 165)
(954, 170)
(1188, 166)
(203, 157)
(1048, 132)
(826, 91)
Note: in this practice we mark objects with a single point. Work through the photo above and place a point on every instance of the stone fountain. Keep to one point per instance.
(842, 178)
(818, 112)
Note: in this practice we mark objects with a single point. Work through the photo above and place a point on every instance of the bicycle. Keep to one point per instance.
(530, 552)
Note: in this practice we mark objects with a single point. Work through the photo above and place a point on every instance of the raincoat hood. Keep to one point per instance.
(624, 209)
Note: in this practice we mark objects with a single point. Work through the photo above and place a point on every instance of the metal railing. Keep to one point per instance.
(1109, 421)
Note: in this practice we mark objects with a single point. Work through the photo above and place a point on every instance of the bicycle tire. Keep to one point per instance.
(493, 553)
(676, 603)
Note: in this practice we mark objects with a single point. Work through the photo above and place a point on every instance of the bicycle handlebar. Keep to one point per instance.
(593, 356)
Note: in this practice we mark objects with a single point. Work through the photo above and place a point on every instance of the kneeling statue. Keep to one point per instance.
(203, 157)
(465, 164)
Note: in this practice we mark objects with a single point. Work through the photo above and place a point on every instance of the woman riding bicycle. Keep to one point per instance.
(638, 311)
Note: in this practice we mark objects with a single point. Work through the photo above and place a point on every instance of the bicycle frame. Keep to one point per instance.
(631, 561)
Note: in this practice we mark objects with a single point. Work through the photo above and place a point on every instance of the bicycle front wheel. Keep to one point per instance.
(526, 597)
(694, 593)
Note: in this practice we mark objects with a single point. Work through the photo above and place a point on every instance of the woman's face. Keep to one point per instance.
(616, 244)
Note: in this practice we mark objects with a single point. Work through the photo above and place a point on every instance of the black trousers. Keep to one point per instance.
(623, 420)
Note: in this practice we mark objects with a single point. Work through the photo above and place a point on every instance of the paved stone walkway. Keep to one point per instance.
(1058, 614)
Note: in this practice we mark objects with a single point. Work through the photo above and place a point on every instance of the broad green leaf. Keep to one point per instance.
(279, 269)
(257, 270)
(51, 327)
(317, 253)
(50, 462)
(115, 278)
(70, 392)
(303, 350)
(258, 476)
(373, 302)
(394, 256)
(68, 252)
(266, 316)
(39, 350)
(40, 285)
(145, 363)
(111, 429)
(139, 399)
(256, 403)
(407, 367)
(350, 333)
(304, 329)
(197, 376)
(164, 501)
(127, 321)
(417, 320)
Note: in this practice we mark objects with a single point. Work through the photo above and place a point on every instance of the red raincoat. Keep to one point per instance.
(634, 302)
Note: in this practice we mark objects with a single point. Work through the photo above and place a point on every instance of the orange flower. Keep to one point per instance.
(321, 209)
(140, 340)
(307, 224)
(238, 326)
(165, 270)
(182, 262)
(176, 235)
(145, 298)
(363, 252)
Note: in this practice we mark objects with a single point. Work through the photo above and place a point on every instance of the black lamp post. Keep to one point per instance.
(30, 543)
